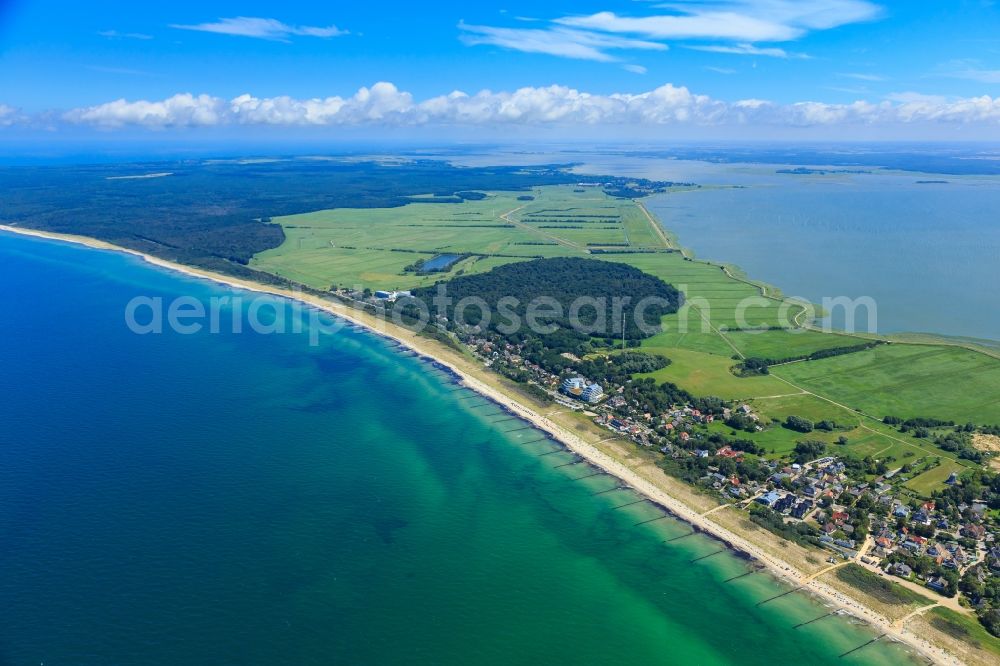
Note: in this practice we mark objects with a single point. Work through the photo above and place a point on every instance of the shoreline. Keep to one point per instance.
(472, 378)
(773, 292)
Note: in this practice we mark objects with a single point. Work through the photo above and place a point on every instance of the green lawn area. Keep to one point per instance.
(707, 343)
(805, 405)
(881, 447)
(933, 479)
(864, 436)
(708, 374)
(907, 380)
(787, 344)
(775, 440)
(713, 296)
(371, 247)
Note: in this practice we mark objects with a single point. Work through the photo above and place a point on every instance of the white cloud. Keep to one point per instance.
(748, 49)
(384, 104)
(737, 20)
(564, 42)
(709, 25)
(805, 14)
(8, 115)
(741, 23)
(183, 110)
(720, 70)
(262, 28)
(635, 69)
(968, 69)
(114, 34)
(860, 76)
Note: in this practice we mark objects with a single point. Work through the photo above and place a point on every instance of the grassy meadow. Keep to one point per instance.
(373, 246)
(948, 383)
(723, 318)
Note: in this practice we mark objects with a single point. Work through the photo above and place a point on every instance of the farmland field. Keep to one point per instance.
(787, 344)
(372, 247)
(379, 247)
(709, 374)
(865, 437)
(908, 381)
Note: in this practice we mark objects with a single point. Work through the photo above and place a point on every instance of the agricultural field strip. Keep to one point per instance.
(700, 280)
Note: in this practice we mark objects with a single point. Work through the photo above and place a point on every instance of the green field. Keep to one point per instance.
(907, 380)
(371, 247)
(715, 300)
(865, 436)
(787, 344)
(708, 374)
(934, 478)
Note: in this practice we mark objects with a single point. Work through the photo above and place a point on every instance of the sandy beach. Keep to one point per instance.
(478, 379)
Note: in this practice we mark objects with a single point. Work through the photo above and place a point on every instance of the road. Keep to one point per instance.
(506, 217)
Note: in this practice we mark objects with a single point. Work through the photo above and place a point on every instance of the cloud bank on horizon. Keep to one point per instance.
(729, 63)
(385, 104)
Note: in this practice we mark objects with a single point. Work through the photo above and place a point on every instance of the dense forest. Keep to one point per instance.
(562, 281)
(215, 214)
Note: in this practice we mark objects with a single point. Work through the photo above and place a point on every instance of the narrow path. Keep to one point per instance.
(657, 227)
(861, 423)
(838, 404)
(920, 611)
(710, 511)
(708, 321)
(762, 287)
(830, 568)
(506, 217)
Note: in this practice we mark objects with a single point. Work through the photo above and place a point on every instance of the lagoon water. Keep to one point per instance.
(252, 499)
(924, 247)
(926, 252)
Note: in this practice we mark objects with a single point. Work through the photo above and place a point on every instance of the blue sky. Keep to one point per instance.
(916, 69)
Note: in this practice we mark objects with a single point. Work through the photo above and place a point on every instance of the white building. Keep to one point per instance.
(592, 393)
(574, 386)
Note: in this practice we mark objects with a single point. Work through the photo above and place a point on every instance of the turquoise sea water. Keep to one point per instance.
(251, 499)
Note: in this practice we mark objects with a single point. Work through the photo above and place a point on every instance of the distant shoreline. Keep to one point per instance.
(477, 378)
(987, 346)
